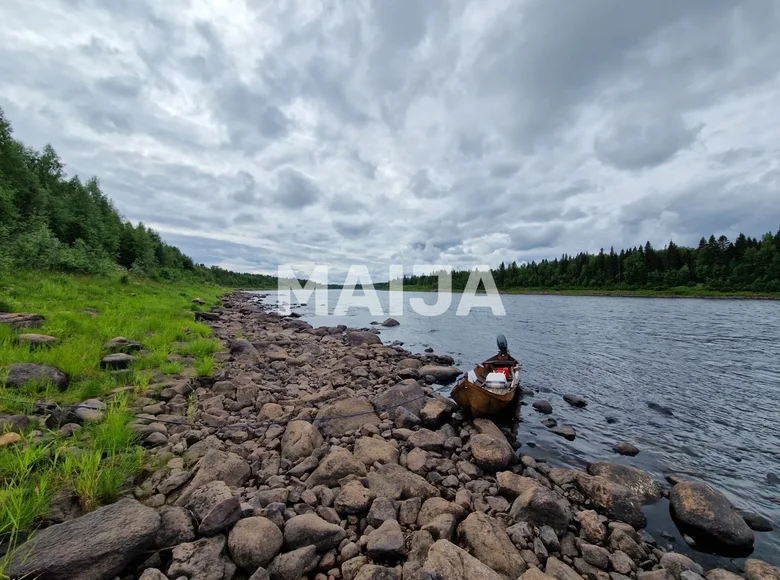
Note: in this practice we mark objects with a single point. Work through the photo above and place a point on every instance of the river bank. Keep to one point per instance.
(322, 453)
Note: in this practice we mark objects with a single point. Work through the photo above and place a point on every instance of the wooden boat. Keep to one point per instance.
(492, 386)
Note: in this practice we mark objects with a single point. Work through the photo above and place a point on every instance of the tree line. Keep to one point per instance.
(50, 221)
(716, 264)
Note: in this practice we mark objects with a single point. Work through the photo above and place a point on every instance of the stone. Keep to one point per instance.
(93, 544)
(217, 465)
(538, 506)
(353, 499)
(416, 460)
(372, 450)
(559, 570)
(91, 410)
(390, 322)
(660, 574)
(21, 319)
(310, 529)
(632, 478)
(121, 344)
(427, 440)
(592, 528)
(565, 431)
(404, 419)
(204, 559)
(354, 412)
(215, 507)
(625, 448)
(435, 506)
(720, 574)
(176, 528)
(485, 539)
(395, 482)
(543, 406)
(408, 510)
(707, 516)
(535, 574)
(595, 555)
(374, 572)
(756, 522)
(254, 542)
(382, 509)
(420, 543)
(300, 439)
(512, 485)
(490, 453)
(575, 401)
(337, 464)
(9, 439)
(676, 564)
(549, 539)
(760, 570)
(441, 527)
(386, 542)
(22, 373)
(244, 351)
(36, 340)
(152, 574)
(435, 412)
(615, 501)
(623, 542)
(361, 337)
(176, 479)
(443, 375)
(116, 361)
(622, 563)
(446, 560)
(293, 565)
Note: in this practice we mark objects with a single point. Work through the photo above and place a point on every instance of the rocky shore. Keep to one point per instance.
(322, 453)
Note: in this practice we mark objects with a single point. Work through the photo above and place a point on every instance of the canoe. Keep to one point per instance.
(492, 386)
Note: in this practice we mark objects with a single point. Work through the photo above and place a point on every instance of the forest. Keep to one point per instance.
(715, 265)
(49, 221)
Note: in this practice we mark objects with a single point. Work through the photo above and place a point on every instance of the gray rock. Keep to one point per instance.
(595, 555)
(676, 564)
(217, 465)
(372, 450)
(300, 440)
(260, 574)
(374, 572)
(575, 401)
(116, 361)
(443, 375)
(543, 406)
(625, 448)
(565, 431)
(427, 440)
(99, 545)
(22, 373)
(407, 394)
(293, 565)
(408, 510)
(638, 481)
(215, 507)
(615, 501)
(353, 499)
(382, 509)
(559, 570)
(756, 522)
(395, 482)
(484, 538)
(436, 411)
(538, 506)
(420, 543)
(362, 337)
(254, 541)
(707, 515)
(387, 542)
(354, 412)
(337, 464)
(203, 559)
(176, 528)
(592, 528)
(310, 529)
(152, 574)
(715, 574)
(351, 568)
(405, 419)
(760, 570)
(435, 506)
(446, 560)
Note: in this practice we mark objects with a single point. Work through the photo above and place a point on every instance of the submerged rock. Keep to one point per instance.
(634, 479)
(625, 448)
(575, 401)
(543, 406)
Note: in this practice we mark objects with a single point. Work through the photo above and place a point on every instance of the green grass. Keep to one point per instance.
(102, 458)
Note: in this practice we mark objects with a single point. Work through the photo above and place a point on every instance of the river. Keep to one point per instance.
(714, 363)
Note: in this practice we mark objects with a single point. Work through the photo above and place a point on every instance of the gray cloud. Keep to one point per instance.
(460, 132)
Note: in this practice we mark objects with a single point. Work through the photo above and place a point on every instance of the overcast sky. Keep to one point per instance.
(407, 131)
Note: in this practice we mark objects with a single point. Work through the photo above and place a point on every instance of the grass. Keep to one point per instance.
(82, 312)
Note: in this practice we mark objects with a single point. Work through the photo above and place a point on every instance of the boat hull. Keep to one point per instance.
(481, 402)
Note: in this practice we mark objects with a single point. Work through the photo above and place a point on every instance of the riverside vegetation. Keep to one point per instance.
(323, 453)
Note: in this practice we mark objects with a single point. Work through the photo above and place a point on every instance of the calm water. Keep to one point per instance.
(714, 363)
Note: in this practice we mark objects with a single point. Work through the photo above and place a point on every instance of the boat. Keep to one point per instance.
(492, 386)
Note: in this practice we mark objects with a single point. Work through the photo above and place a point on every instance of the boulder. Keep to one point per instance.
(353, 412)
(91, 410)
(116, 361)
(427, 440)
(386, 542)
(575, 401)
(204, 559)
(390, 322)
(543, 406)
(382, 509)
(756, 522)
(559, 570)
(540, 506)
(361, 337)
(512, 485)
(592, 528)
(535, 574)
(394, 482)
(36, 340)
(443, 375)
(300, 439)
(311, 530)
(721, 574)
(99, 545)
(407, 394)
(254, 542)
(244, 351)
(21, 319)
(374, 572)
(565, 431)
(675, 564)
(625, 448)
(175, 528)
(436, 506)
(485, 539)
(632, 478)
(353, 499)
(436, 411)
(707, 516)
(217, 465)
(293, 565)
(372, 450)
(215, 507)
(9, 439)
(446, 560)
(489, 453)
(121, 344)
(760, 570)
(22, 373)
(337, 464)
(615, 501)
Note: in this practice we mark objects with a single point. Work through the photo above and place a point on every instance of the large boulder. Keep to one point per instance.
(436, 506)
(372, 450)
(204, 559)
(244, 351)
(361, 337)
(760, 570)
(407, 394)
(490, 449)
(707, 516)
(394, 482)
(337, 464)
(345, 416)
(98, 545)
(634, 479)
(217, 465)
(613, 500)
(215, 507)
(446, 560)
(512, 485)
(386, 542)
(300, 439)
(293, 565)
(443, 375)
(486, 540)
(254, 541)
(312, 530)
(22, 373)
(540, 506)
(353, 498)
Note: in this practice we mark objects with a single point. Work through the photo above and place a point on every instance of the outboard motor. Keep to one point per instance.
(503, 346)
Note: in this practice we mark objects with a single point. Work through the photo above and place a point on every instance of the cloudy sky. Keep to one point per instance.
(462, 132)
